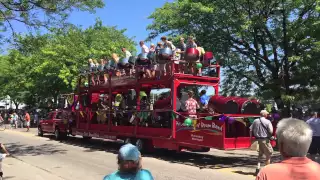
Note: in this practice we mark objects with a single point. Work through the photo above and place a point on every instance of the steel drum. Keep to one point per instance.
(192, 54)
(143, 56)
(124, 61)
(165, 54)
(143, 59)
(207, 57)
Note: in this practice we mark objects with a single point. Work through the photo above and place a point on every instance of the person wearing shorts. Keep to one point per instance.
(27, 119)
(261, 129)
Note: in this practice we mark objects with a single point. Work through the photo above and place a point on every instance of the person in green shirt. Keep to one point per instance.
(130, 168)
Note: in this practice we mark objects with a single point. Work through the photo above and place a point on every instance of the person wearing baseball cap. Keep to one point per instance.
(261, 129)
(129, 165)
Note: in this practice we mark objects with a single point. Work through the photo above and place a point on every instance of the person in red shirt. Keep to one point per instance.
(27, 119)
(192, 105)
(294, 139)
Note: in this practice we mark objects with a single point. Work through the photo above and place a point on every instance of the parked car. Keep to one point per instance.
(55, 123)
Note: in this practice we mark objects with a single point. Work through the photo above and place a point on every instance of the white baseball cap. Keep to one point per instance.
(264, 112)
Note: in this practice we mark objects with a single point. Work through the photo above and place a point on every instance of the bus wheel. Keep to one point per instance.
(40, 132)
(140, 145)
(86, 138)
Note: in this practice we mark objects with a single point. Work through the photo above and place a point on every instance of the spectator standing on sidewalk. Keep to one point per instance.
(15, 120)
(261, 129)
(129, 164)
(314, 149)
(3, 150)
(27, 119)
(294, 139)
(36, 119)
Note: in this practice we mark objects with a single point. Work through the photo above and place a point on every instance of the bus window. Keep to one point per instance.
(160, 98)
(201, 94)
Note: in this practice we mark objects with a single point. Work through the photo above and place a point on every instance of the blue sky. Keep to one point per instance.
(125, 14)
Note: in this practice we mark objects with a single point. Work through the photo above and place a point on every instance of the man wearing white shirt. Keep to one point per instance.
(144, 48)
(314, 123)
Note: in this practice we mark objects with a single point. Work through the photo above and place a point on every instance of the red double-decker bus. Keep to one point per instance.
(151, 113)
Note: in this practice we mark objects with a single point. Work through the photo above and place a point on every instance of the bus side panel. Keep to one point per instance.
(202, 133)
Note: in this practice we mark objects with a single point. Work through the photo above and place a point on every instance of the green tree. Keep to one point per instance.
(270, 47)
(49, 65)
(41, 13)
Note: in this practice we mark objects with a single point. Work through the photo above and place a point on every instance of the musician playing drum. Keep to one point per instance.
(166, 44)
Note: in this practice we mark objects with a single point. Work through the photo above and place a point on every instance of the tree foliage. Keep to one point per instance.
(270, 47)
(40, 67)
(41, 13)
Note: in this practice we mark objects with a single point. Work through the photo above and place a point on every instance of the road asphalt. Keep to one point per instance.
(44, 158)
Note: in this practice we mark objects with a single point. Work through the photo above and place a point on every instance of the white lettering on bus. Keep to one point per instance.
(203, 125)
(196, 137)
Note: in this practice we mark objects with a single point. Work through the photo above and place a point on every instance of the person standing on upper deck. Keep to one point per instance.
(126, 52)
(204, 99)
(191, 43)
(144, 48)
(167, 43)
(192, 105)
(262, 130)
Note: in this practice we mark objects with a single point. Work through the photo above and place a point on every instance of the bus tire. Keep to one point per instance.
(57, 134)
(86, 138)
(40, 131)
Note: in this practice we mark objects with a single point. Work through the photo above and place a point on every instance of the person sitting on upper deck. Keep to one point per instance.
(192, 105)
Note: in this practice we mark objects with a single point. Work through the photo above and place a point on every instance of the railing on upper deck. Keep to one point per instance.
(131, 74)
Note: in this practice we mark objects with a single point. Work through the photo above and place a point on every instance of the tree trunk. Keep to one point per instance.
(16, 104)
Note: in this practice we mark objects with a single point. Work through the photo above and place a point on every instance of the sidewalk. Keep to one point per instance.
(16, 169)
(31, 131)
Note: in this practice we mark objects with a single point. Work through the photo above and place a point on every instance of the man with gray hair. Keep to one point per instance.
(261, 129)
(294, 138)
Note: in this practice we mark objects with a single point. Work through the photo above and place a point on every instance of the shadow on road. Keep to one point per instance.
(243, 164)
(19, 149)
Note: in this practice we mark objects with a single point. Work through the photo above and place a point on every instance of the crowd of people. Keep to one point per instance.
(298, 143)
(16, 118)
(154, 61)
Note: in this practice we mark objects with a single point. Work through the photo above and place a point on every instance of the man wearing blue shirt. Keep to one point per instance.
(204, 99)
(130, 168)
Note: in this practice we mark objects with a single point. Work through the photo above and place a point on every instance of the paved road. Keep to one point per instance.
(74, 159)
